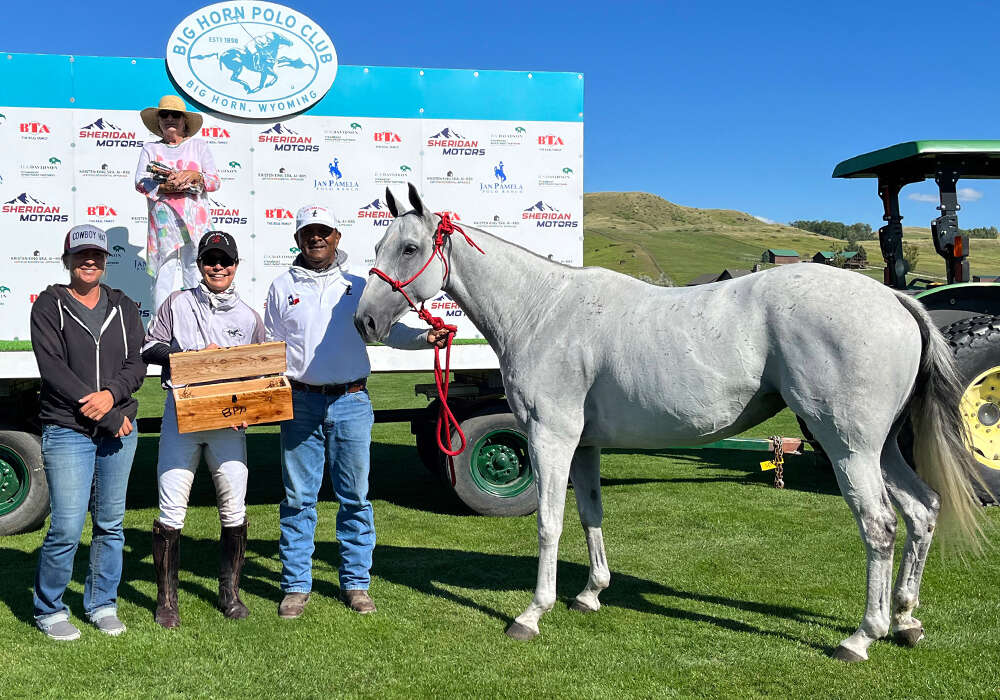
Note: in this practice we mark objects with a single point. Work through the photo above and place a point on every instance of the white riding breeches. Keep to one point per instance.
(180, 271)
(225, 453)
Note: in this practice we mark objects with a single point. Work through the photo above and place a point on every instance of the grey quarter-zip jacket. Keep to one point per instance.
(72, 362)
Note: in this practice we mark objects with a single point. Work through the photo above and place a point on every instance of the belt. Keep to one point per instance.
(330, 389)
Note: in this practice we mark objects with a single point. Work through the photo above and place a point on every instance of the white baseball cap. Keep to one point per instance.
(314, 214)
(85, 237)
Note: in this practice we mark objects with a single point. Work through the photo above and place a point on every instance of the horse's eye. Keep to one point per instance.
(409, 249)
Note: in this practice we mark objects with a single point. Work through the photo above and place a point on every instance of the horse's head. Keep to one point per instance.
(405, 249)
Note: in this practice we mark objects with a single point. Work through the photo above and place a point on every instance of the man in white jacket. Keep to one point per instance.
(311, 307)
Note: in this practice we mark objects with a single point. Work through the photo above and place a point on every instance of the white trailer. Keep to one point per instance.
(500, 150)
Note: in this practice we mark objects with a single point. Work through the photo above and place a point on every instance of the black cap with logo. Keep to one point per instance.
(218, 240)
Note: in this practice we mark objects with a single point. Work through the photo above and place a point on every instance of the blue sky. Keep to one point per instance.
(729, 105)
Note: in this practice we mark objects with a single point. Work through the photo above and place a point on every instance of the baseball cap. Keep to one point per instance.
(218, 240)
(314, 214)
(85, 237)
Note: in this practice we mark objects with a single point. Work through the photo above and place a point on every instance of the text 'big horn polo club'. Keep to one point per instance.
(255, 60)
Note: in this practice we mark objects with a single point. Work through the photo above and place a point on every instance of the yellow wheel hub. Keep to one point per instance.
(981, 412)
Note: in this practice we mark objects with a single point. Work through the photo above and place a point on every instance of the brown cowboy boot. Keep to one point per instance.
(232, 550)
(166, 554)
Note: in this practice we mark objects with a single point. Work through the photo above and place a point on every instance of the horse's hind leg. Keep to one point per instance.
(920, 506)
(861, 483)
(585, 472)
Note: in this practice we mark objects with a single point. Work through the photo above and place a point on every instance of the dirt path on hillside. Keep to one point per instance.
(640, 246)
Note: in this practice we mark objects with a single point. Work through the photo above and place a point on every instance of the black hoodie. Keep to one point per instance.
(72, 363)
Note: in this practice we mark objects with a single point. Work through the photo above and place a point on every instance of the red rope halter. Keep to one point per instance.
(446, 419)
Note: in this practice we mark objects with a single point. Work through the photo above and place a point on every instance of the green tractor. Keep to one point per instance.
(966, 309)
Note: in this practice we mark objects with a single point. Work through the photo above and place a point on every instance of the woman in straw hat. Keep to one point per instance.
(183, 171)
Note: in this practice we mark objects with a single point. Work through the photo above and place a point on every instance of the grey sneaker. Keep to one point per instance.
(110, 625)
(62, 631)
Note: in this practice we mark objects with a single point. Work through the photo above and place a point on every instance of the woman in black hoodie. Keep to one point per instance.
(86, 337)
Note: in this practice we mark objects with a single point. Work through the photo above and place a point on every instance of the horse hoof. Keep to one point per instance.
(844, 654)
(521, 633)
(910, 637)
(581, 607)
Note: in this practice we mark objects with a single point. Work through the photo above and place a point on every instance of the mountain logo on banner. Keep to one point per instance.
(279, 128)
(24, 198)
(547, 216)
(101, 125)
(378, 211)
(251, 59)
(30, 208)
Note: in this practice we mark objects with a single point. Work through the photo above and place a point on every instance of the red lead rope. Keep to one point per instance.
(446, 419)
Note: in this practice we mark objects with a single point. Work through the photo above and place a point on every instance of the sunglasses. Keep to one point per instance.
(170, 114)
(213, 260)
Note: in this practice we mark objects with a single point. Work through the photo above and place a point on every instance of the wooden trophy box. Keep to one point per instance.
(227, 386)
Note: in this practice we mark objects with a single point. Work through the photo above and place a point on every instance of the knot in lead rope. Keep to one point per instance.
(446, 419)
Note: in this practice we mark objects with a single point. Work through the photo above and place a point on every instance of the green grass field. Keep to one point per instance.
(722, 586)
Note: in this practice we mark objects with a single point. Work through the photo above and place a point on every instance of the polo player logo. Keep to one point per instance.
(261, 56)
(499, 174)
(335, 168)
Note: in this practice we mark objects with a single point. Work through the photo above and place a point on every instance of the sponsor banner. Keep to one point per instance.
(492, 175)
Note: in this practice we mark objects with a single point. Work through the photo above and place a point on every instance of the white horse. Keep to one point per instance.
(591, 358)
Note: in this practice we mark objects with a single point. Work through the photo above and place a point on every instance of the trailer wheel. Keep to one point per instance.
(975, 343)
(494, 476)
(24, 493)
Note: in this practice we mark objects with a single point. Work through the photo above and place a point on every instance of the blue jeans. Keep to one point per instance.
(334, 433)
(84, 474)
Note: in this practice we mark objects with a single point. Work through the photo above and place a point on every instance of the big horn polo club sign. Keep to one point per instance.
(255, 60)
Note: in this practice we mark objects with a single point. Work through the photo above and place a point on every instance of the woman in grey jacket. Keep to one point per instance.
(86, 338)
(209, 316)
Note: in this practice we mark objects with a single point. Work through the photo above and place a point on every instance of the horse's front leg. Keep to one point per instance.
(586, 475)
(551, 453)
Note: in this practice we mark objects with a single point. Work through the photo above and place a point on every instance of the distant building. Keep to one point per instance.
(709, 277)
(850, 257)
(780, 256)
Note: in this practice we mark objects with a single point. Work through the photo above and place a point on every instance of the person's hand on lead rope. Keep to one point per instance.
(438, 337)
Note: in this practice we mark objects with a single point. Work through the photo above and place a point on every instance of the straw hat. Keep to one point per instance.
(151, 115)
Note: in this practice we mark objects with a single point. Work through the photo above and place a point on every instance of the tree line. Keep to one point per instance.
(836, 229)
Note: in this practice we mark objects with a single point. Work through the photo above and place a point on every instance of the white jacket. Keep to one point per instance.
(313, 312)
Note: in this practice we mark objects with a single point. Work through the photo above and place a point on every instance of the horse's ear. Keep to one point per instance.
(390, 202)
(418, 205)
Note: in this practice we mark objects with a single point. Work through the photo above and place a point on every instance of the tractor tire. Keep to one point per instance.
(24, 492)
(493, 475)
(975, 344)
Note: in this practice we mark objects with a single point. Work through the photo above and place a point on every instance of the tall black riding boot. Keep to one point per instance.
(166, 556)
(232, 550)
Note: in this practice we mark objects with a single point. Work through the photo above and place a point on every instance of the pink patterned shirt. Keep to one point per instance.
(175, 219)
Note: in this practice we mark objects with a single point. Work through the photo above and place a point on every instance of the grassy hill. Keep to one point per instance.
(641, 234)
(644, 235)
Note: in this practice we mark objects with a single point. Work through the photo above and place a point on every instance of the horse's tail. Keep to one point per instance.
(941, 443)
